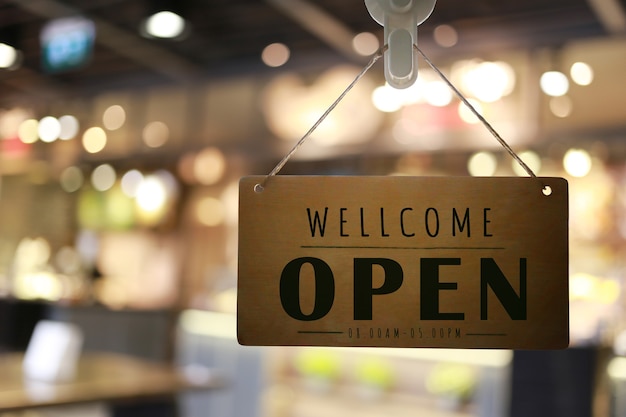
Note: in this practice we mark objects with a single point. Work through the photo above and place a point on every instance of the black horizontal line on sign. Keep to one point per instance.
(400, 247)
(313, 332)
(487, 334)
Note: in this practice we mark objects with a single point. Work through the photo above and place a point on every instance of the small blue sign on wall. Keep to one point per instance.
(67, 44)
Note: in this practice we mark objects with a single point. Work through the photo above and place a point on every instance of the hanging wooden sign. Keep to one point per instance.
(452, 262)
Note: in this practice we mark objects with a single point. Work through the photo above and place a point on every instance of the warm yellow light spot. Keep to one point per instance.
(210, 211)
(209, 166)
(28, 131)
(94, 139)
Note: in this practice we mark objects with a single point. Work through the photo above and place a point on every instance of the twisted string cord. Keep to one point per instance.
(480, 117)
(379, 54)
(281, 164)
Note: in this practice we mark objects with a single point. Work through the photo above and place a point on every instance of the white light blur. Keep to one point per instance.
(577, 162)
(482, 164)
(530, 158)
(131, 181)
(582, 73)
(275, 55)
(69, 127)
(386, 99)
(581, 285)
(561, 106)
(151, 194)
(617, 368)
(437, 94)
(8, 56)
(103, 177)
(49, 129)
(554, 83)
(365, 43)
(28, 131)
(468, 115)
(490, 81)
(114, 117)
(210, 212)
(165, 25)
(446, 36)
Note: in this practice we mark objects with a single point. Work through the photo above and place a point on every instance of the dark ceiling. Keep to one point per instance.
(227, 36)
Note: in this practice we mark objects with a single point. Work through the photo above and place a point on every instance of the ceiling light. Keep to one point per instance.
(554, 83)
(49, 129)
(8, 56)
(577, 162)
(167, 25)
(582, 73)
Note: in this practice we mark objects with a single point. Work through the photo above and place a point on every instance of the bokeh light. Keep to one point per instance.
(72, 179)
(531, 159)
(365, 43)
(582, 73)
(554, 83)
(103, 177)
(69, 127)
(466, 114)
(151, 194)
(275, 55)
(446, 36)
(8, 56)
(209, 166)
(482, 164)
(131, 181)
(49, 129)
(94, 139)
(155, 134)
(28, 131)
(165, 24)
(210, 211)
(561, 106)
(577, 162)
(437, 94)
(114, 117)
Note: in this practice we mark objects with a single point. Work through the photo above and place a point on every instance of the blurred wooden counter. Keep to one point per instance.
(101, 377)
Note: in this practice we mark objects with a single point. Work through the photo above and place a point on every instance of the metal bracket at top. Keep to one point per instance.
(400, 19)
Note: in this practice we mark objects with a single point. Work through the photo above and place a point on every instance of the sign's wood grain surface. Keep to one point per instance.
(454, 262)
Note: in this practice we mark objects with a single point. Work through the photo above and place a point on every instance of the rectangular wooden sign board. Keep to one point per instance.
(450, 262)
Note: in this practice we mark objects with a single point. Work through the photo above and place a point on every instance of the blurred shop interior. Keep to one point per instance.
(125, 127)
